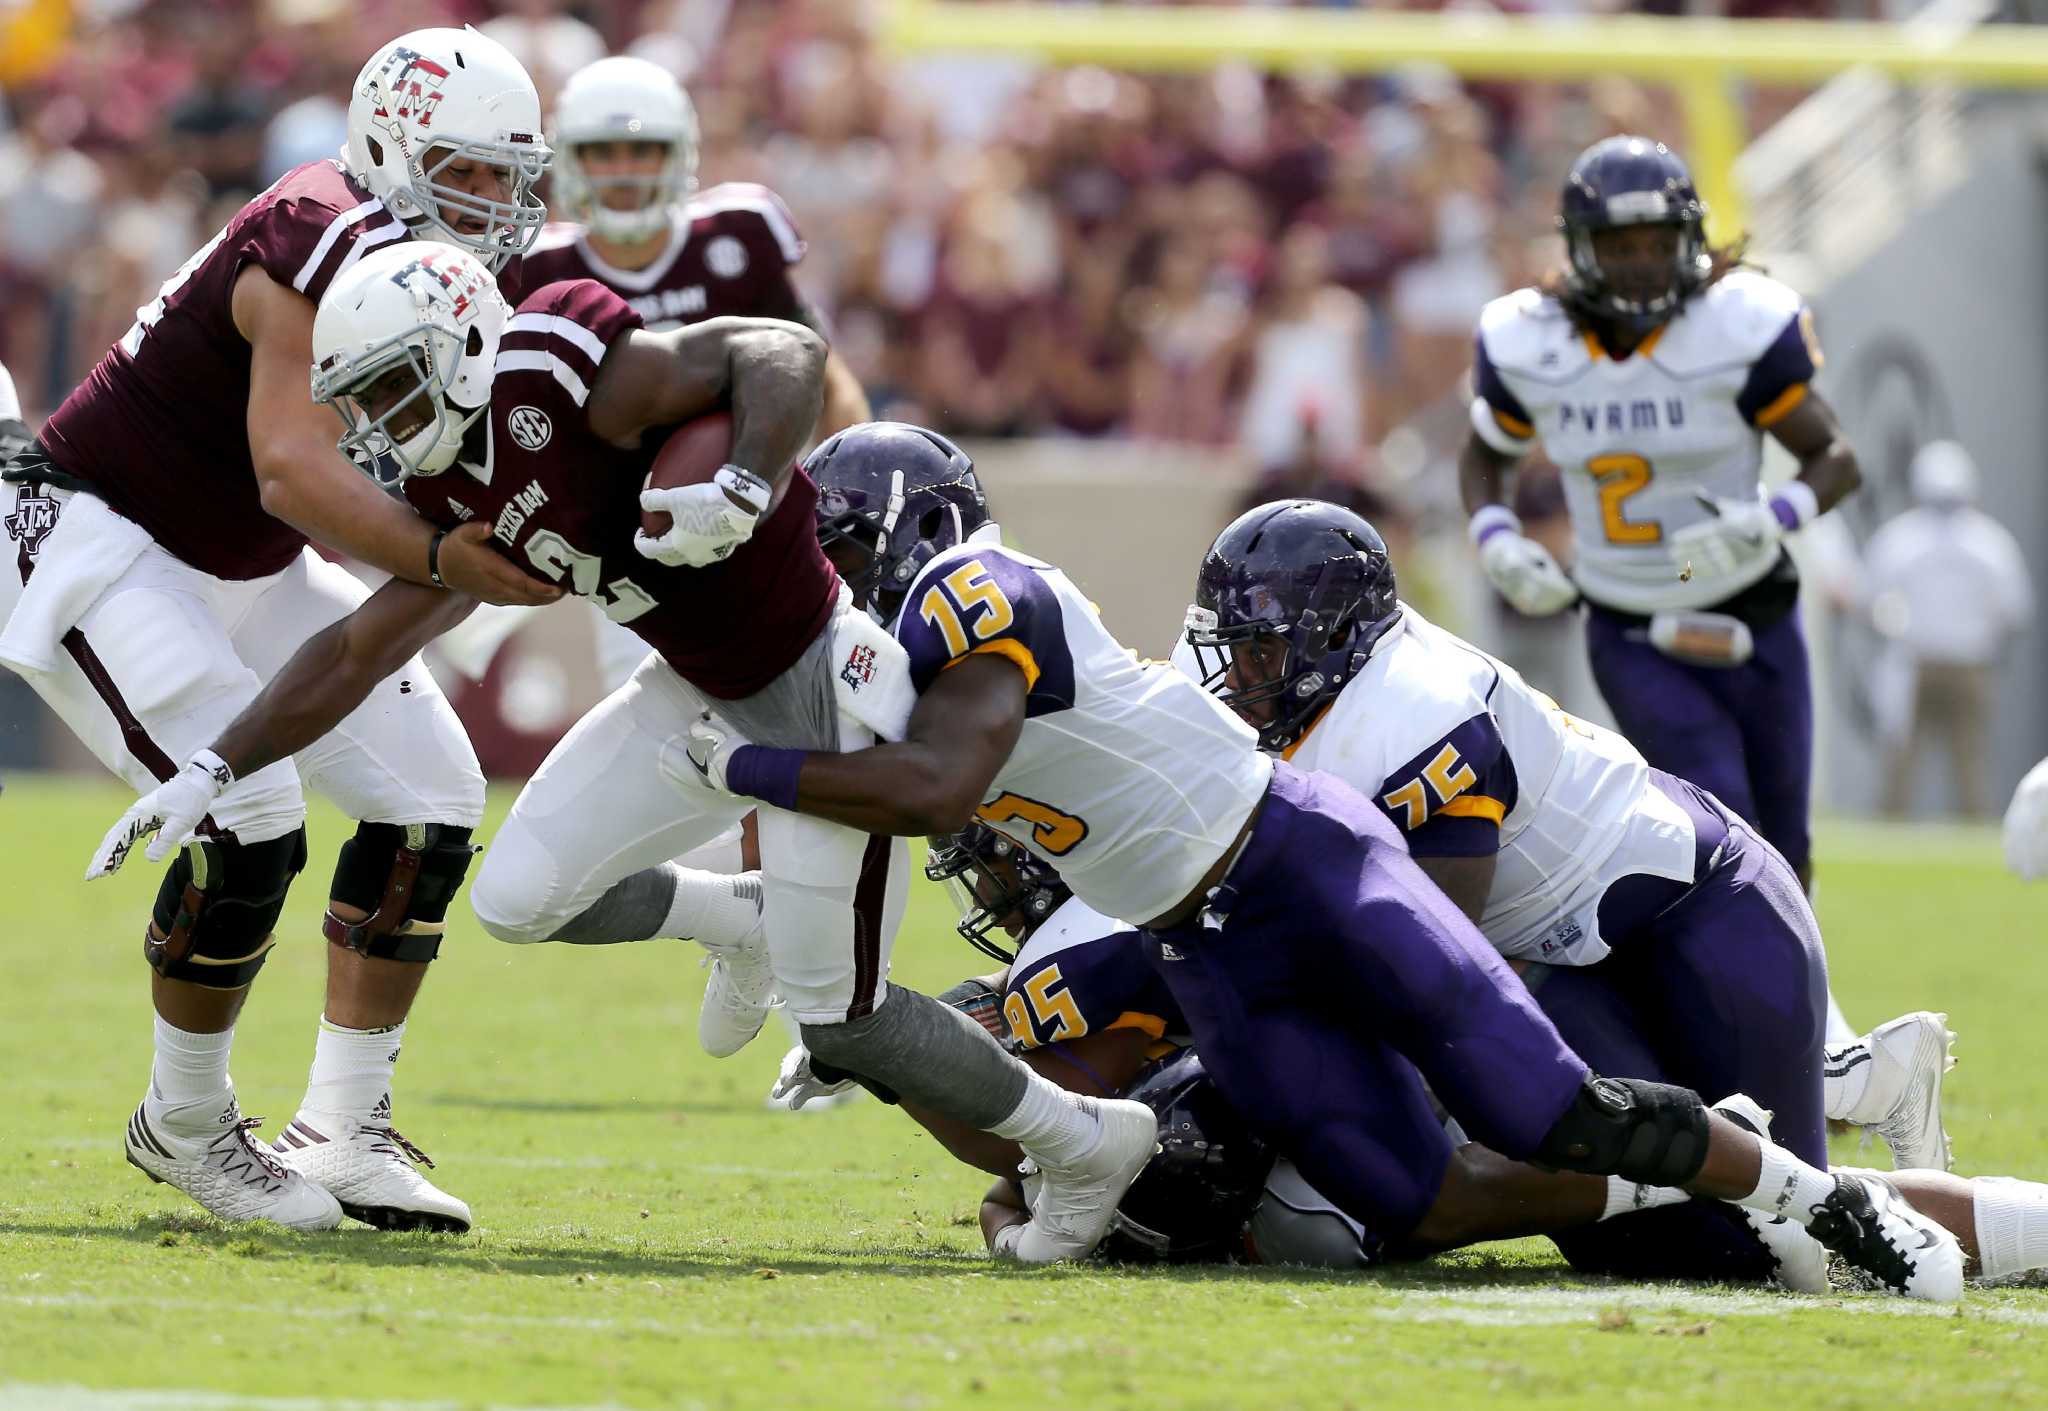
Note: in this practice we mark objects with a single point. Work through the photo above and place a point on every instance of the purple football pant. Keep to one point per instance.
(1744, 734)
(1720, 987)
(1326, 965)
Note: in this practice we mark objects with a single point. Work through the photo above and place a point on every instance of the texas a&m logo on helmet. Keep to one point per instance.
(408, 87)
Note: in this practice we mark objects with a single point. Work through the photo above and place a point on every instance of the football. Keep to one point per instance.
(691, 456)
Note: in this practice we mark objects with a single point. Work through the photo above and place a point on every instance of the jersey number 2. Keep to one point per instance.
(621, 600)
(1618, 478)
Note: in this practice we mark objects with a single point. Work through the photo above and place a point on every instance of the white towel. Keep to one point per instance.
(81, 558)
(870, 672)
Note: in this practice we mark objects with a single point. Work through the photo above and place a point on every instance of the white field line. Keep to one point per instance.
(1490, 1307)
(21, 1396)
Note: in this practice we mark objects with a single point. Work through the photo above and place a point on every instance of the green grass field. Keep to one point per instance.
(650, 1236)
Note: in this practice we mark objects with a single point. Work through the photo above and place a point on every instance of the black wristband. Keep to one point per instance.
(434, 557)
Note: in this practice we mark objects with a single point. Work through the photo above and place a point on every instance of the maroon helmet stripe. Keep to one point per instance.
(868, 896)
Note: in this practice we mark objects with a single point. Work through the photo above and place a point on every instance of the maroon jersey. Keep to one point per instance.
(159, 428)
(564, 504)
(730, 251)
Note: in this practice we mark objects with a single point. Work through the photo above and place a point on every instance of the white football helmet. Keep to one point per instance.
(623, 100)
(435, 97)
(404, 347)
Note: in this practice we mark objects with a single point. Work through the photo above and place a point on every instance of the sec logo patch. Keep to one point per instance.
(530, 427)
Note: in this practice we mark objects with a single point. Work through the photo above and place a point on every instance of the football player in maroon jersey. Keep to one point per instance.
(161, 524)
(541, 426)
(624, 135)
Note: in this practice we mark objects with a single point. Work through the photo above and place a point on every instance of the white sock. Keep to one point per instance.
(1051, 1124)
(1787, 1186)
(189, 1067)
(1625, 1197)
(713, 908)
(352, 1071)
(2012, 1225)
(1845, 1078)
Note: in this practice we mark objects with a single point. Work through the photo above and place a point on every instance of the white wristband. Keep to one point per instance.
(215, 768)
(1798, 497)
(1490, 520)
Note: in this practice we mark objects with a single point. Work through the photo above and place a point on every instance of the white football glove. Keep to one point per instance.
(171, 810)
(1733, 528)
(2026, 826)
(710, 746)
(796, 1084)
(707, 525)
(1524, 573)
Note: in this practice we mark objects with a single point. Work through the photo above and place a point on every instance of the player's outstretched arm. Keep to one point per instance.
(307, 483)
(329, 676)
(771, 374)
(1482, 474)
(965, 725)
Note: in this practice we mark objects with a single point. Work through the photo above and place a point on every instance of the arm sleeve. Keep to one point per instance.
(1085, 989)
(1498, 415)
(1778, 379)
(1450, 799)
(988, 602)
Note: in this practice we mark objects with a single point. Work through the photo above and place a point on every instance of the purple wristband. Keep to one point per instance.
(766, 774)
(1787, 513)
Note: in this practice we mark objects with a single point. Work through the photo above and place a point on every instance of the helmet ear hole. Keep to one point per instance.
(928, 523)
(376, 150)
(476, 341)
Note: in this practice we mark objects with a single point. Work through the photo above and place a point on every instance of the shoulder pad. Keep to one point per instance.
(1424, 688)
(1731, 323)
(742, 209)
(1528, 332)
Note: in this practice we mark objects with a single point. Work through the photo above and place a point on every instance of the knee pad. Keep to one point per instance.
(1648, 1132)
(218, 907)
(404, 875)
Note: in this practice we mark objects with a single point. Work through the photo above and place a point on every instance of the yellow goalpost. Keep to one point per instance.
(1698, 58)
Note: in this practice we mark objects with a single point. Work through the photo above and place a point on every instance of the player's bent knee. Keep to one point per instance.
(513, 896)
(402, 877)
(216, 912)
(1648, 1132)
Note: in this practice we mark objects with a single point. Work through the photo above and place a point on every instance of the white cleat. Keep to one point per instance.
(1909, 1057)
(221, 1167)
(1802, 1261)
(1075, 1203)
(738, 996)
(1882, 1236)
(370, 1171)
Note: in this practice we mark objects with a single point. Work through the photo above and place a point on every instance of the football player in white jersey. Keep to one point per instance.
(1552, 834)
(1648, 371)
(1322, 975)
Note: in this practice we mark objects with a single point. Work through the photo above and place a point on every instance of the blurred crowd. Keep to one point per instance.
(1292, 264)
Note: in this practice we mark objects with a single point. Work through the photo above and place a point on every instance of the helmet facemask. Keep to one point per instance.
(403, 438)
(1243, 630)
(895, 550)
(511, 226)
(583, 192)
(997, 886)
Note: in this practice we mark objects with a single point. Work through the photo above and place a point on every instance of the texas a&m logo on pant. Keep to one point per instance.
(859, 670)
(33, 518)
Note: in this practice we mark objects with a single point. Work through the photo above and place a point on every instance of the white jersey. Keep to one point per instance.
(1128, 777)
(1640, 438)
(1467, 758)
